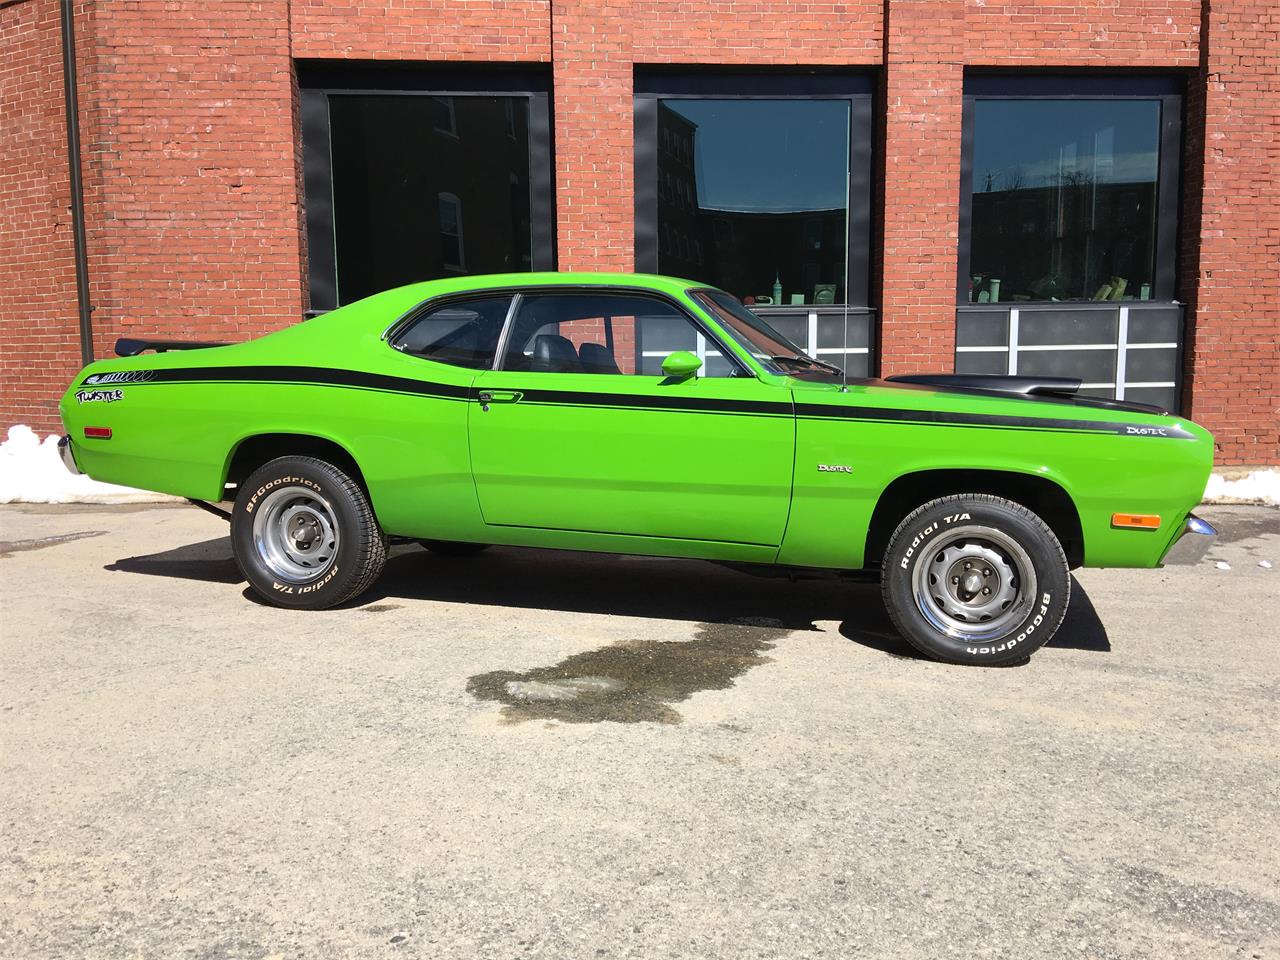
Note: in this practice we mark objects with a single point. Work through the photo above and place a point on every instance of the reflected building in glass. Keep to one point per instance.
(751, 197)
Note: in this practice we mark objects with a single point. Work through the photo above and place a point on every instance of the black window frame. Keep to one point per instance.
(518, 292)
(319, 80)
(858, 88)
(1167, 89)
(410, 319)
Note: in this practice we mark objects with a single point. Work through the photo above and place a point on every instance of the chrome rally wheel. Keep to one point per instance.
(305, 535)
(974, 583)
(296, 534)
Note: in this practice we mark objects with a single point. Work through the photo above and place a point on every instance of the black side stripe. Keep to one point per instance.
(328, 376)
(822, 411)
(320, 376)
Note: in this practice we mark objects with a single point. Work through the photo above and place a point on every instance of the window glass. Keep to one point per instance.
(463, 333)
(427, 187)
(752, 196)
(604, 334)
(1064, 199)
(761, 338)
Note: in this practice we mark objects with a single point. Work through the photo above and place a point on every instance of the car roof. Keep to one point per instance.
(473, 282)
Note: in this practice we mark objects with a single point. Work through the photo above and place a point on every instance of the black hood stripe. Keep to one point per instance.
(335, 377)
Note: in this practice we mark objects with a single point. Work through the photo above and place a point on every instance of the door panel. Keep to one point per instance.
(706, 458)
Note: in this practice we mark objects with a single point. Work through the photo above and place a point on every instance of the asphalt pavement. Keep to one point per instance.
(540, 754)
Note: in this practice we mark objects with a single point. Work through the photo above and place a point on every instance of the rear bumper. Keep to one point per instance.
(1190, 546)
(68, 455)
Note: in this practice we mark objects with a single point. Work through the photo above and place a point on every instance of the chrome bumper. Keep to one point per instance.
(68, 457)
(1192, 543)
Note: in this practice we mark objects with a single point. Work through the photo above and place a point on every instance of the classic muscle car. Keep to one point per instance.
(641, 415)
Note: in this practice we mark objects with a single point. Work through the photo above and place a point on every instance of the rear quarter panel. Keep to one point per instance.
(179, 437)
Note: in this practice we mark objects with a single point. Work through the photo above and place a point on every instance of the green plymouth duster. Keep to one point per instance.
(641, 415)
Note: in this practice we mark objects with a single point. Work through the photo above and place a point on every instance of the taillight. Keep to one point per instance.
(97, 433)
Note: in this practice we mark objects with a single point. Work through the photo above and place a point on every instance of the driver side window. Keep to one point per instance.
(612, 334)
(463, 333)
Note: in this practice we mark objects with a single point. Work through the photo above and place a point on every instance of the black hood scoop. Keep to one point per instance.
(1058, 389)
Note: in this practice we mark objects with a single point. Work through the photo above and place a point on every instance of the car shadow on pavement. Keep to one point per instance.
(209, 560)
(651, 587)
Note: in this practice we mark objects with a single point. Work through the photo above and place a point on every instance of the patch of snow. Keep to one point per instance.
(1259, 486)
(32, 472)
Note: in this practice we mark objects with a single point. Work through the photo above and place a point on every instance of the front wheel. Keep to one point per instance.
(304, 534)
(975, 579)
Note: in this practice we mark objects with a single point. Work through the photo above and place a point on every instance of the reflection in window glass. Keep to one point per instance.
(1064, 199)
(411, 174)
(752, 196)
(451, 231)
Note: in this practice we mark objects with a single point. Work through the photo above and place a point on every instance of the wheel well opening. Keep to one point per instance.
(253, 452)
(1042, 496)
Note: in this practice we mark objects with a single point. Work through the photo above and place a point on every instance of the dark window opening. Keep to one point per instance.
(758, 184)
(1070, 189)
(405, 183)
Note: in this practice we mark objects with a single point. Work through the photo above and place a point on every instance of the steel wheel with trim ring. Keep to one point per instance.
(304, 534)
(975, 579)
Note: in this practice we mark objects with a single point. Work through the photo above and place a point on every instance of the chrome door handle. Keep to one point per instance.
(487, 397)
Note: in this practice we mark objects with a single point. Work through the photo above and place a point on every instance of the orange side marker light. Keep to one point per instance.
(1136, 521)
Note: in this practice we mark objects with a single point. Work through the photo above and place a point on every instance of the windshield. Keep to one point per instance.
(766, 344)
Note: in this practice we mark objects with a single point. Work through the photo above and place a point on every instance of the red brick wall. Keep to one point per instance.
(192, 154)
(923, 88)
(1233, 262)
(39, 329)
(193, 222)
(493, 30)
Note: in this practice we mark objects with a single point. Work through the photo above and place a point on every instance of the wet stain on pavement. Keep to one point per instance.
(633, 681)
(381, 607)
(18, 546)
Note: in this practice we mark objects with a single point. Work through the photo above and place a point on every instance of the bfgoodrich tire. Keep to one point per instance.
(305, 536)
(975, 579)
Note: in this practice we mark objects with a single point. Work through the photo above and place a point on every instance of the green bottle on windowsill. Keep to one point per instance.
(777, 287)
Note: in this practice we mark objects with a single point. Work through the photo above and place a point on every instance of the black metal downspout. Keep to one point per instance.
(72, 102)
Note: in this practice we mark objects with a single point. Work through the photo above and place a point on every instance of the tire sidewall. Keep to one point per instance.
(910, 546)
(336, 584)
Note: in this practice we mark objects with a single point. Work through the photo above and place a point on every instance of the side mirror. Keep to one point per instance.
(681, 365)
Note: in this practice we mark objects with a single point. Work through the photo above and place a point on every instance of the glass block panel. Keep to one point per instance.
(1089, 365)
(1067, 326)
(1161, 396)
(1147, 366)
(855, 364)
(982, 328)
(831, 330)
(794, 328)
(997, 363)
(1107, 393)
(1155, 325)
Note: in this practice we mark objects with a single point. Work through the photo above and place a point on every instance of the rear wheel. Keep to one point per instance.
(975, 579)
(304, 534)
